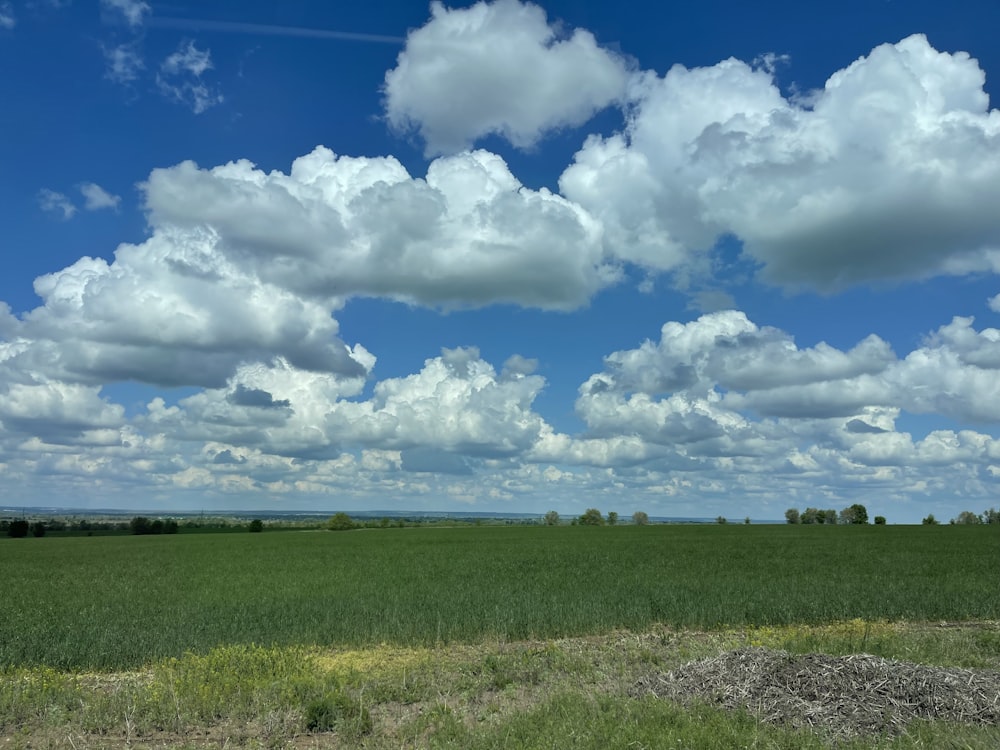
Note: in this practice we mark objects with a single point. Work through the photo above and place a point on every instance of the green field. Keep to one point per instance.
(107, 603)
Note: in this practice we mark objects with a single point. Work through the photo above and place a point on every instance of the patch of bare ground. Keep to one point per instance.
(845, 696)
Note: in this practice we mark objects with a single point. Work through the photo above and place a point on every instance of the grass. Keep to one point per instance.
(114, 603)
(558, 693)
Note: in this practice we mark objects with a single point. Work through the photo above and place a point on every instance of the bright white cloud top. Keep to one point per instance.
(202, 360)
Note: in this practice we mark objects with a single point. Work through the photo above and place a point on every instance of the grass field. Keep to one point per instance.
(111, 603)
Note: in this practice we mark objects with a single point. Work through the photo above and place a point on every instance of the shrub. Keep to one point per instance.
(18, 529)
(930, 520)
(592, 517)
(38, 529)
(170, 526)
(967, 518)
(640, 518)
(340, 522)
(880, 520)
(551, 518)
(811, 515)
(256, 526)
(337, 710)
(721, 520)
(792, 515)
(612, 518)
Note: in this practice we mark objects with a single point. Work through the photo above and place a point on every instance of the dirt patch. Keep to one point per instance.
(844, 696)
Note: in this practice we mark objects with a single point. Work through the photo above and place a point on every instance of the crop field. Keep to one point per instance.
(504, 637)
(119, 602)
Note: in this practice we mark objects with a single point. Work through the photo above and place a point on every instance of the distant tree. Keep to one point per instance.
(592, 517)
(967, 518)
(792, 515)
(991, 516)
(18, 529)
(831, 516)
(157, 526)
(640, 518)
(721, 520)
(855, 514)
(140, 525)
(551, 518)
(746, 521)
(38, 528)
(811, 515)
(170, 526)
(930, 520)
(612, 518)
(256, 526)
(340, 522)
(880, 520)
(384, 523)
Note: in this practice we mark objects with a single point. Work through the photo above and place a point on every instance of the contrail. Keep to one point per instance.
(260, 29)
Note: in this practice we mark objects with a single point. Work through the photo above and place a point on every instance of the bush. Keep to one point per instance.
(930, 520)
(337, 711)
(18, 529)
(721, 520)
(792, 515)
(38, 529)
(880, 520)
(967, 518)
(256, 526)
(640, 518)
(612, 518)
(551, 518)
(340, 522)
(592, 517)
(854, 514)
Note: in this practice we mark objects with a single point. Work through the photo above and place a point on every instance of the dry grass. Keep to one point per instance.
(847, 696)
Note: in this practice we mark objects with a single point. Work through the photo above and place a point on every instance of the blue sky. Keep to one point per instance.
(692, 259)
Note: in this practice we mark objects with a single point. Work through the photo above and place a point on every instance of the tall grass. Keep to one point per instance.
(117, 602)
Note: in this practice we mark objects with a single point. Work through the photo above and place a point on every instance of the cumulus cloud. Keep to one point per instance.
(54, 202)
(95, 197)
(994, 303)
(891, 171)
(498, 68)
(170, 312)
(180, 78)
(133, 12)
(468, 234)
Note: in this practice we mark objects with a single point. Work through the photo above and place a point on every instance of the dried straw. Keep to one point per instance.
(846, 696)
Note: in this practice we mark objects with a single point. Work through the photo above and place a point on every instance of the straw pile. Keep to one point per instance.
(846, 696)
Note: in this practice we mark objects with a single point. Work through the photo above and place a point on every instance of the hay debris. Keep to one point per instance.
(842, 696)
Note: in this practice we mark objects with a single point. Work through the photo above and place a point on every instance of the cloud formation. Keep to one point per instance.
(57, 203)
(466, 235)
(498, 68)
(180, 78)
(888, 172)
(133, 12)
(95, 197)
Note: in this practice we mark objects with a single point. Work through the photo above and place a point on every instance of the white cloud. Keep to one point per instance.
(180, 78)
(133, 12)
(497, 68)
(7, 19)
(890, 172)
(171, 312)
(994, 303)
(95, 197)
(123, 63)
(469, 234)
(50, 200)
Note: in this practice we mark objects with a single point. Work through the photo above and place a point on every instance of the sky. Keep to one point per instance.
(694, 259)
